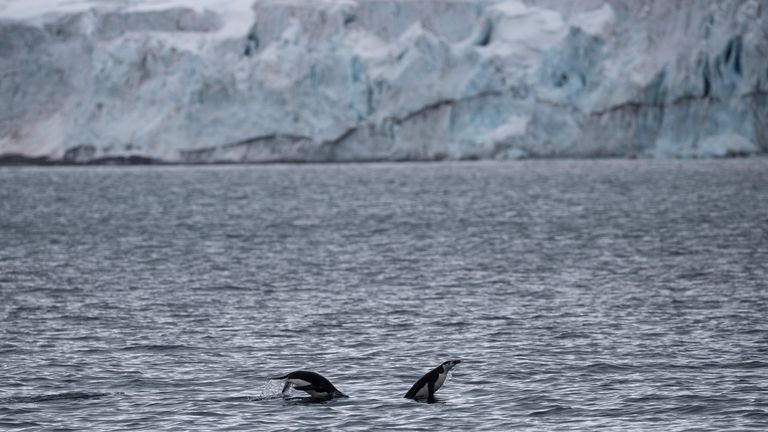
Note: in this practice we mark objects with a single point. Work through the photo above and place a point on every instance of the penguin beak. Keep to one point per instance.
(455, 362)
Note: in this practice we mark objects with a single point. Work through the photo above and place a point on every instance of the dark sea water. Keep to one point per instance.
(580, 295)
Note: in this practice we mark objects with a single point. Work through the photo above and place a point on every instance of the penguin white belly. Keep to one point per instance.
(316, 394)
(298, 382)
(440, 380)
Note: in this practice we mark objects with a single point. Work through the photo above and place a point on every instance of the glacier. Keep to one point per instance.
(206, 81)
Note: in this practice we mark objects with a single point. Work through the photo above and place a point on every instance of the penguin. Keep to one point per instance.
(313, 383)
(431, 382)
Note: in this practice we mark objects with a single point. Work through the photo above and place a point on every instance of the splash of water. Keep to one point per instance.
(271, 389)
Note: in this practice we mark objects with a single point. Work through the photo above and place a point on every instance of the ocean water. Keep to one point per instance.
(580, 295)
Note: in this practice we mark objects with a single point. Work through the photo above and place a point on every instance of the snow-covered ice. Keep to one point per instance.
(345, 80)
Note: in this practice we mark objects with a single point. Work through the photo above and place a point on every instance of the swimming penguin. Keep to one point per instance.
(431, 382)
(313, 383)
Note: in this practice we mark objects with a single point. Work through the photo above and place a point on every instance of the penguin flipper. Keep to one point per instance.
(416, 387)
(431, 392)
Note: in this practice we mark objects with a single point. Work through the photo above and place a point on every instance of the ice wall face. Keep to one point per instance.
(350, 80)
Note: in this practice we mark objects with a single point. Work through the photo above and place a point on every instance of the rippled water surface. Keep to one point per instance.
(580, 295)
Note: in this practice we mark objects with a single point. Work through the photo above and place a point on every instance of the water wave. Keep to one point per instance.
(76, 395)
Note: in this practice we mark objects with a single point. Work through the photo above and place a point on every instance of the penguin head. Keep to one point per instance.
(450, 364)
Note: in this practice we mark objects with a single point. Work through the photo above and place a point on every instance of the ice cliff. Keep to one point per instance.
(344, 80)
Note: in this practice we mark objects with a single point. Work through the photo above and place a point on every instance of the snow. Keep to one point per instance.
(271, 80)
(726, 144)
(236, 14)
(595, 22)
